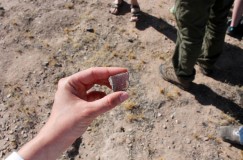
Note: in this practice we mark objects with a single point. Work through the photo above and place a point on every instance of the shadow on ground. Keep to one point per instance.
(230, 66)
(124, 9)
(146, 20)
(206, 96)
(230, 72)
(230, 62)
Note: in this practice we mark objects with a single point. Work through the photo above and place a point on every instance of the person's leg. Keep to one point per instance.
(191, 17)
(215, 34)
(233, 29)
(134, 2)
(135, 10)
(237, 13)
(115, 6)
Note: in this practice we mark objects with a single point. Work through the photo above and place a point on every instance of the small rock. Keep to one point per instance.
(2, 11)
(89, 29)
(164, 126)
(172, 116)
(159, 114)
(60, 75)
(188, 141)
(130, 40)
(58, 65)
(45, 64)
(9, 95)
(25, 135)
(89, 129)
(205, 139)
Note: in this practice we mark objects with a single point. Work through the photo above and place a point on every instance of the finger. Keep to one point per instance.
(108, 102)
(97, 75)
(95, 95)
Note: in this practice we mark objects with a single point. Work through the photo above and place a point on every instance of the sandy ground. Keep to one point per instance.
(42, 41)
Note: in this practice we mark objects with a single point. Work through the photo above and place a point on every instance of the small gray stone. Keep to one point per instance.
(2, 11)
(45, 64)
(89, 29)
(188, 141)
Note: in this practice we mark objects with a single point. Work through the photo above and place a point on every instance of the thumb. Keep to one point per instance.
(108, 102)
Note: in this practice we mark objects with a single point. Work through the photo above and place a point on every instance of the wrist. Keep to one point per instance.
(34, 149)
(46, 145)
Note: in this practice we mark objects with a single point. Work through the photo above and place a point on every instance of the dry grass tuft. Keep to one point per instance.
(129, 105)
(228, 119)
(134, 117)
(69, 5)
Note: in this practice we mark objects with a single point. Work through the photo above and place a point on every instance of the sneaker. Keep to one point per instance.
(232, 134)
(232, 31)
(168, 74)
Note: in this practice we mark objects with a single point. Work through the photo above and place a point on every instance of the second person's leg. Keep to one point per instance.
(135, 10)
(215, 34)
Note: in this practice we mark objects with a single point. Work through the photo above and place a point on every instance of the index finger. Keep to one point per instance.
(96, 74)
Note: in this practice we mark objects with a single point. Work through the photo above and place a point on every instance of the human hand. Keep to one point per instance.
(74, 108)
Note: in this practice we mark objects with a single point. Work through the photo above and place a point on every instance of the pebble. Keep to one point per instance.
(130, 130)
(205, 139)
(159, 114)
(188, 141)
(58, 65)
(2, 11)
(172, 116)
(89, 29)
(130, 40)
(129, 145)
(45, 64)
(9, 95)
(164, 126)
(60, 75)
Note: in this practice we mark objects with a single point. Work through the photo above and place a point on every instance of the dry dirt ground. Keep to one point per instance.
(42, 41)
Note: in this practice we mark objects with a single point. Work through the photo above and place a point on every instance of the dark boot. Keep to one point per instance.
(168, 74)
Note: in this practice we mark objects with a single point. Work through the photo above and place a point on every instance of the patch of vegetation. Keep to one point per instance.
(134, 117)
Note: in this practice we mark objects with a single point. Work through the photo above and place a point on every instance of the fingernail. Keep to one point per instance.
(124, 96)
